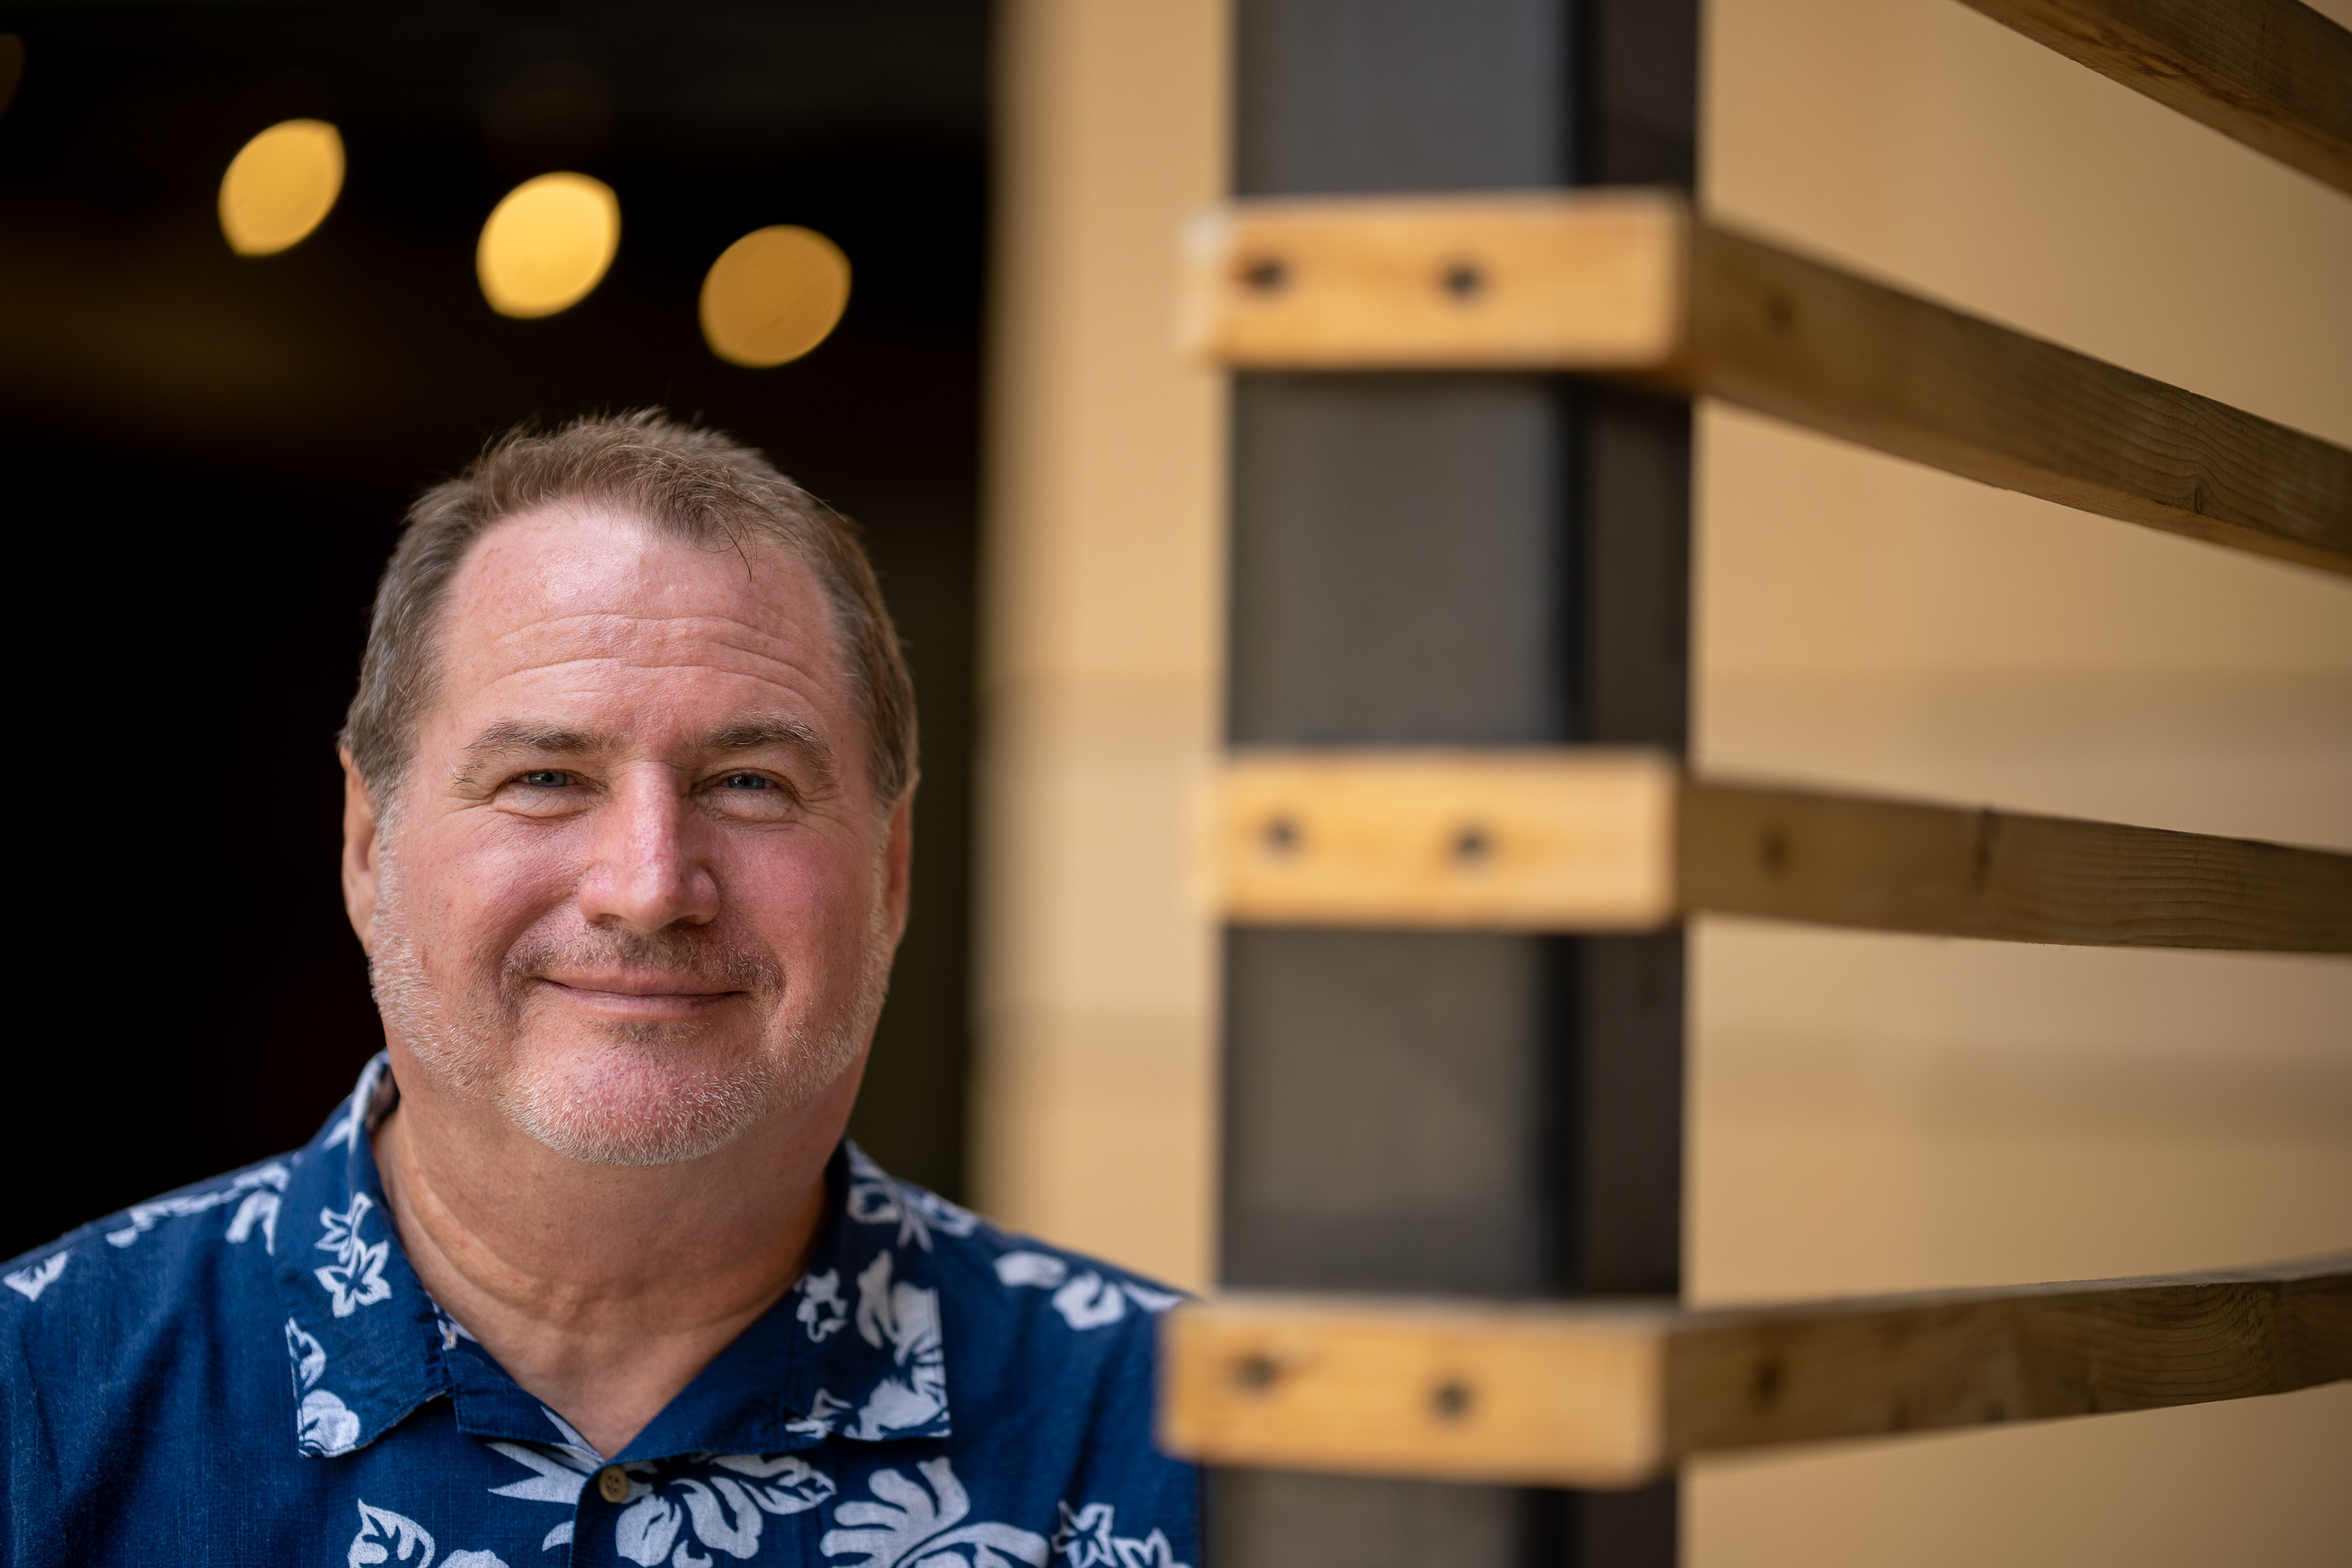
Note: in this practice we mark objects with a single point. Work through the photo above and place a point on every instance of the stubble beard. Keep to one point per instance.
(661, 1093)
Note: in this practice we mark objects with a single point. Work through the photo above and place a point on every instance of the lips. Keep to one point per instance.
(630, 972)
(638, 996)
(640, 985)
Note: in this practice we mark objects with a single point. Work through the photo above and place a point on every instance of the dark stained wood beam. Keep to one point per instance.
(2273, 74)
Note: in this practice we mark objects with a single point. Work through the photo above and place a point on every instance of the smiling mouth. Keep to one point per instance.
(639, 997)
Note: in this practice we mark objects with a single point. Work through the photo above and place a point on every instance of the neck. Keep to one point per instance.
(602, 1290)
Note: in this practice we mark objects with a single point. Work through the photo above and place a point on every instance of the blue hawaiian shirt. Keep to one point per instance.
(247, 1372)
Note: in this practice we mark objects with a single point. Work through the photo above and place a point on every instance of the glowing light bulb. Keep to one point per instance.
(547, 244)
(774, 295)
(280, 187)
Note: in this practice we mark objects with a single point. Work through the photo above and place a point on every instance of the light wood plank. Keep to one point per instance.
(2273, 74)
(1576, 838)
(1500, 279)
(1528, 840)
(1627, 284)
(1612, 1395)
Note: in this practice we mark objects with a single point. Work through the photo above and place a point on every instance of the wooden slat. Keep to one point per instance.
(2273, 74)
(1613, 1394)
(1524, 841)
(1627, 284)
(1600, 839)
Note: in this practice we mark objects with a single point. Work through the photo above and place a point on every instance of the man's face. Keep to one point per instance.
(636, 890)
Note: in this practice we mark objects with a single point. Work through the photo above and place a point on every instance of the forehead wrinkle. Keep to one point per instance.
(780, 673)
(610, 625)
(645, 641)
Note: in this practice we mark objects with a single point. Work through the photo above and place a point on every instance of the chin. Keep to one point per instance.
(643, 1094)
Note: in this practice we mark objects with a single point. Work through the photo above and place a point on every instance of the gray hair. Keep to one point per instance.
(689, 483)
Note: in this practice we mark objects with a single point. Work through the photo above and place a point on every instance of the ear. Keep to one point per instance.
(360, 847)
(899, 864)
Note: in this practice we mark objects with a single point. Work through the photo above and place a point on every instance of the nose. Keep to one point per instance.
(645, 873)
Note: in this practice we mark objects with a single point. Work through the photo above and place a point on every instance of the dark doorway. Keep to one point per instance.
(207, 456)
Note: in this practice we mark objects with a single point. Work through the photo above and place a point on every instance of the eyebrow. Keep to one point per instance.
(791, 733)
(741, 735)
(521, 735)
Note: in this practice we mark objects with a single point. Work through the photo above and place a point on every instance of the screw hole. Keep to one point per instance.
(1255, 1372)
(1464, 281)
(1772, 850)
(1267, 275)
(1779, 312)
(1472, 845)
(1281, 836)
(1766, 1389)
(1451, 1401)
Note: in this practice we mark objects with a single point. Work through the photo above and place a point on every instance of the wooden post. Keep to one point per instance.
(1464, 560)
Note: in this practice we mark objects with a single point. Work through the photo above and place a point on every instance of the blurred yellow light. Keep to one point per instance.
(774, 295)
(280, 187)
(548, 243)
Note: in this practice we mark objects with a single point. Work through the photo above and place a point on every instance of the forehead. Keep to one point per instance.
(584, 589)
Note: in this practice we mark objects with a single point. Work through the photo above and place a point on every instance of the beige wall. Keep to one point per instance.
(1882, 1112)
(1867, 1111)
(1102, 632)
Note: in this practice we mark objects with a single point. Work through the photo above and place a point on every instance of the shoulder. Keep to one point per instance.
(1048, 1353)
(123, 1338)
(991, 1273)
(99, 1286)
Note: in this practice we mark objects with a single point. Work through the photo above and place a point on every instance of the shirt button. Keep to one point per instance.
(612, 1485)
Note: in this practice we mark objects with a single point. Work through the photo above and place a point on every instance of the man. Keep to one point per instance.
(584, 1271)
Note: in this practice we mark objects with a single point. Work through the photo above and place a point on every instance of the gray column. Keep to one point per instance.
(1454, 560)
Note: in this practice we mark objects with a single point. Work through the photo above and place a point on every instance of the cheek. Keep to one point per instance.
(490, 887)
(804, 900)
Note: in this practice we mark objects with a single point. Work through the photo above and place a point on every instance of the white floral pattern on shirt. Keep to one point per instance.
(667, 1518)
(1087, 1300)
(258, 1188)
(1085, 1539)
(821, 1309)
(903, 1319)
(385, 1535)
(323, 1424)
(921, 1526)
(32, 1280)
(371, 1396)
(355, 1279)
(876, 1199)
(723, 1513)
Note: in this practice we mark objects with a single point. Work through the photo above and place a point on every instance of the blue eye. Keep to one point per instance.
(547, 778)
(746, 781)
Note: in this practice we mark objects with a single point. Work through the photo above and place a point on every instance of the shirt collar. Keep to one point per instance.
(855, 1350)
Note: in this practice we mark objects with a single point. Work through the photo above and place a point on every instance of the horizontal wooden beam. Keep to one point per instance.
(1628, 284)
(1613, 1394)
(2273, 74)
(1586, 839)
